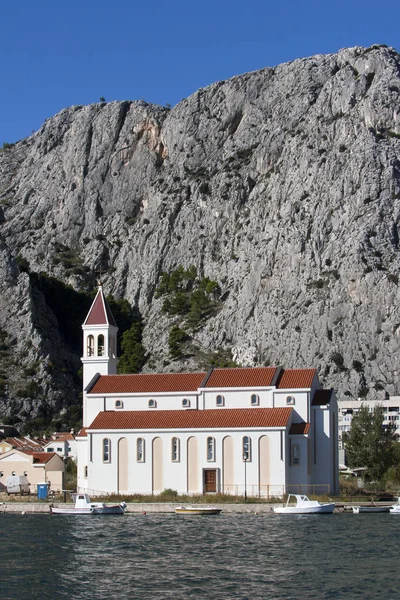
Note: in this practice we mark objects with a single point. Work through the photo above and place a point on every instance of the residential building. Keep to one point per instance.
(63, 444)
(38, 467)
(348, 408)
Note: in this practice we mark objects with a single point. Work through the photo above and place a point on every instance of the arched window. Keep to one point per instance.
(100, 345)
(119, 404)
(246, 448)
(185, 403)
(140, 450)
(85, 472)
(211, 449)
(152, 404)
(90, 345)
(290, 400)
(175, 449)
(106, 450)
(220, 400)
(296, 454)
(254, 400)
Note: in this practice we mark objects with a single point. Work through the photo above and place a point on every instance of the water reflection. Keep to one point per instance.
(223, 557)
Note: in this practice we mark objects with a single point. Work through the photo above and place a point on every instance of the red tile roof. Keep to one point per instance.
(61, 436)
(296, 378)
(193, 419)
(24, 443)
(242, 377)
(149, 383)
(100, 313)
(40, 457)
(299, 428)
(82, 432)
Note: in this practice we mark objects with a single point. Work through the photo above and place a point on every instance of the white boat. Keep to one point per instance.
(83, 506)
(303, 506)
(370, 509)
(197, 510)
(395, 509)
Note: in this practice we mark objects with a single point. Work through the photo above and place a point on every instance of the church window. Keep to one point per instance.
(290, 400)
(90, 345)
(140, 450)
(85, 472)
(100, 345)
(106, 450)
(175, 449)
(296, 454)
(152, 404)
(220, 400)
(185, 403)
(211, 449)
(119, 404)
(246, 446)
(254, 400)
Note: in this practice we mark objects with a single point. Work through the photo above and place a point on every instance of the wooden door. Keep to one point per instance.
(210, 480)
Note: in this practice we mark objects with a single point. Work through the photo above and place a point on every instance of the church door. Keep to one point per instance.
(210, 480)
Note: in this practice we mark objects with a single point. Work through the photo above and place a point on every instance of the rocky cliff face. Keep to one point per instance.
(283, 185)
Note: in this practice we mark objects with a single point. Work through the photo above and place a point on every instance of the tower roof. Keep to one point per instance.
(100, 313)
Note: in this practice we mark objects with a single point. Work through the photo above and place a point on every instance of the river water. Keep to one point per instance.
(229, 556)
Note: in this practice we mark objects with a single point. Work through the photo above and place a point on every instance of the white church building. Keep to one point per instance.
(261, 431)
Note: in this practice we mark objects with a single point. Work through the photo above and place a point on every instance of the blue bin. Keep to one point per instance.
(42, 491)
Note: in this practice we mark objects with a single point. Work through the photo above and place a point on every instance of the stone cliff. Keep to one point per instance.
(283, 185)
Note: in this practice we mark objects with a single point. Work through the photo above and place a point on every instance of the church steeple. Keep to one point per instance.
(99, 340)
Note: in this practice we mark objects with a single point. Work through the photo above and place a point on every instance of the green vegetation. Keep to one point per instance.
(187, 295)
(337, 358)
(176, 337)
(369, 444)
(133, 356)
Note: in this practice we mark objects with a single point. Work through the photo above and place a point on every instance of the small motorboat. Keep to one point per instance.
(84, 506)
(371, 508)
(303, 506)
(395, 509)
(197, 510)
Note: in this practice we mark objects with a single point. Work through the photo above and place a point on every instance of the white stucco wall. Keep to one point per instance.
(300, 406)
(102, 477)
(236, 398)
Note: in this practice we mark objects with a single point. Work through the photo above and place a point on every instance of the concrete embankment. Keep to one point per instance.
(164, 507)
(132, 507)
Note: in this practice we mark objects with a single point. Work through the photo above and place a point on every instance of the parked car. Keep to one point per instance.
(18, 484)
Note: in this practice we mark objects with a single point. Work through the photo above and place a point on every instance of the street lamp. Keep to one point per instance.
(245, 457)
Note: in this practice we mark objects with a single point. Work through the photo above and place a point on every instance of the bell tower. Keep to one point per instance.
(99, 340)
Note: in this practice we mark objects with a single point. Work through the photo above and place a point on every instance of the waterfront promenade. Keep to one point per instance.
(165, 507)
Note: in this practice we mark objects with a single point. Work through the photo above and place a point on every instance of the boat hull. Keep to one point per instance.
(181, 510)
(311, 510)
(117, 509)
(370, 509)
(303, 506)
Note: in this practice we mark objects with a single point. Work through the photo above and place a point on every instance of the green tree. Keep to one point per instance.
(133, 355)
(175, 339)
(369, 444)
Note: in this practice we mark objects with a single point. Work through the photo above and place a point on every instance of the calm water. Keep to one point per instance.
(242, 557)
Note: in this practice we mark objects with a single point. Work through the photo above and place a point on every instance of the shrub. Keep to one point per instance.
(176, 337)
(337, 358)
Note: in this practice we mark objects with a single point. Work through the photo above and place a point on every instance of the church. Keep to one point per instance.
(261, 431)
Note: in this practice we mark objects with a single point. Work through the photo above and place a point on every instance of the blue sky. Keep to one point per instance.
(55, 54)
